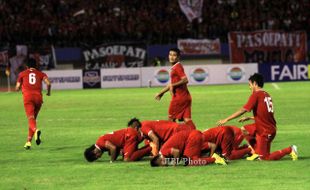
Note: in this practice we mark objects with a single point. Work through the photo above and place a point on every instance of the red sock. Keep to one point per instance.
(277, 155)
(201, 161)
(137, 155)
(32, 128)
(238, 154)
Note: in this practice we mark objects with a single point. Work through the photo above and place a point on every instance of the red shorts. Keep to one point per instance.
(193, 146)
(180, 109)
(263, 144)
(225, 141)
(32, 104)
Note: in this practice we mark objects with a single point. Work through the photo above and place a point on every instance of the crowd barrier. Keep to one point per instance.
(149, 76)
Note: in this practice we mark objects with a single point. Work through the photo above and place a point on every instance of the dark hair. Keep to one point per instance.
(32, 63)
(154, 160)
(177, 50)
(134, 120)
(89, 154)
(258, 78)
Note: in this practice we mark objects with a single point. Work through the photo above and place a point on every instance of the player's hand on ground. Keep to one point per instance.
(243, 119)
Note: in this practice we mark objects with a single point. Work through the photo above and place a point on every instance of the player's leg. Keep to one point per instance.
(38, 104)
(140, 153)
(29, 109)
(263, 145)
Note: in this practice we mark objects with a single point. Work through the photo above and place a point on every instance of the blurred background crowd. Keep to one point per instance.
(72, 23)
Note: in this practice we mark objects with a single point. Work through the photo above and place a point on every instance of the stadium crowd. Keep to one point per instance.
(78, 22)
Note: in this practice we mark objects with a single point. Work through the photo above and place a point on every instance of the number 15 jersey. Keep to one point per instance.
(261, 104)
(31, 81)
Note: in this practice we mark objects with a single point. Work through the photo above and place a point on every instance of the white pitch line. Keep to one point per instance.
(275, 86)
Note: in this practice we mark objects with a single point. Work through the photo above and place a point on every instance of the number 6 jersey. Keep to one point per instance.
(31, 81)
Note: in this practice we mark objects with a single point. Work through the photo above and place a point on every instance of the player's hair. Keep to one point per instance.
(89, 154)
(258, 78)
(32, 63)
(154, 161)
(134, 120)
(177, 50)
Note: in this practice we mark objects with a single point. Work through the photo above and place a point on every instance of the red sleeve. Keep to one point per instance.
(251, 102)
(43, 75)
(101, 142)
(180, 71)
(146, 128)
(20, 78)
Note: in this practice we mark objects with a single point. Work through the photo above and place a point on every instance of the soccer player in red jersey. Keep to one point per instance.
(30, 81)
(223, 137)
(246, 132)
(185, 145)
(160, 131)
(126, 140)
(261, 104)
(181, 102)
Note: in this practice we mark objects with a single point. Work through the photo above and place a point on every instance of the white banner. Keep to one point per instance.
(65, 79)
(155, 76)
(121, 77)
(220, 74)
(199, 46)
(192, 9)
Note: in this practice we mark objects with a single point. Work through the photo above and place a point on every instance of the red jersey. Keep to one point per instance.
(261, 104)
(119, 138)
(178, 141)
(176, 74)
(31, 81)
(162, 128)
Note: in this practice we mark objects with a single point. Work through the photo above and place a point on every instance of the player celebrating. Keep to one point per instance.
(181, 101)
(185, 145)
(126, 140)
(261, 104)
(223, 137)
(160, 131)
(30, 81)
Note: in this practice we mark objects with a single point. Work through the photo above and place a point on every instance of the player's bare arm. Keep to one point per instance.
(112, 148)
(17, 87)
(212, 147)
(162, 92)
(243, 119)
(175, 153)
(48, 86)
(155, 140)
(238, 113)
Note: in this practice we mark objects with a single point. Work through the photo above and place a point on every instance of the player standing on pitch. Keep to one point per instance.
(181, 100)
(30, 81)
(261, 104)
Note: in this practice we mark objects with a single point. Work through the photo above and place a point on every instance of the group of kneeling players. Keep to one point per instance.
(171, 143)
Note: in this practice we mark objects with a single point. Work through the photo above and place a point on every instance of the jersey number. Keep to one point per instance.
(269, 105)
(32, 78)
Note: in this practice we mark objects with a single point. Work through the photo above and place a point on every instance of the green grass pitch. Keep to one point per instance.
(72, 120)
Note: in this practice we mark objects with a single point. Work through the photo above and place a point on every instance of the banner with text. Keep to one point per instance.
(284, 72)
(115, 56)
(65, 79)
(199, 46)
(122, 77)
(192, 9)
(267, 46)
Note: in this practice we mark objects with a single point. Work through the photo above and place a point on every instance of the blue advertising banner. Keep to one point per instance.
(284, 72)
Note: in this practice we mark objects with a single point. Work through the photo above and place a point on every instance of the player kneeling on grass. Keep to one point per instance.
(223, 137)
(126, 140)
(159, 131)
(260, 102)
(184, 146)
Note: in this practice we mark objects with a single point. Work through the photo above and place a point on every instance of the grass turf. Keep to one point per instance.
(72, 120)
